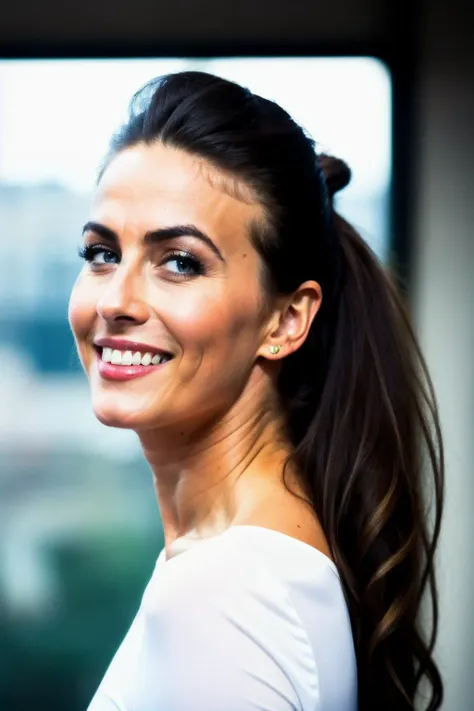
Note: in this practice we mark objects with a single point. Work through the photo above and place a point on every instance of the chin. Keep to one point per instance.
(111, 412)
(114, 418)
(126, 413)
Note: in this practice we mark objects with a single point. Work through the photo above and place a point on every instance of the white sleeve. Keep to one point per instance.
(229, 638)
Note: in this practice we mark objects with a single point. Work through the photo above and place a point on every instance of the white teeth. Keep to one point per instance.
(146, 360)
(137, 358)
(116, 358)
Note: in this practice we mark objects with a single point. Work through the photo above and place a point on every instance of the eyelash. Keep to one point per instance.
(88, 252)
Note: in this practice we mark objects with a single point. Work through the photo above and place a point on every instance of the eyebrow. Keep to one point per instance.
(155, 236)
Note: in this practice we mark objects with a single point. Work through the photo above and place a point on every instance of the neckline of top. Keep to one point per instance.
(253, 528)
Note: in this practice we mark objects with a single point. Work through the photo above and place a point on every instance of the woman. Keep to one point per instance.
(250, 338)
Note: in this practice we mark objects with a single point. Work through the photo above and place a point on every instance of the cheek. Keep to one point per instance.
(216, 323)
(81, 310)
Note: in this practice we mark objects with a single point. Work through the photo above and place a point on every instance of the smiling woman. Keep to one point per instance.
(231, 318)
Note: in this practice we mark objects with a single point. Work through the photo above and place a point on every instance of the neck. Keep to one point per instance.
(212, 476)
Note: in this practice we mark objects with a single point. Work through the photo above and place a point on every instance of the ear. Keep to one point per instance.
(289, 324)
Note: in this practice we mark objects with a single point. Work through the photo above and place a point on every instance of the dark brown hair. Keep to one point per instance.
(361, 410)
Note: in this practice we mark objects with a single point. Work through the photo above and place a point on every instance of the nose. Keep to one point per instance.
(123, 298)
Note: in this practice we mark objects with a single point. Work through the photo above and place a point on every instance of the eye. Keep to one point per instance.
(91, 253)
(183, 264)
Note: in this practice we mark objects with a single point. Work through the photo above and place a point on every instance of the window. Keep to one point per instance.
(78, 515)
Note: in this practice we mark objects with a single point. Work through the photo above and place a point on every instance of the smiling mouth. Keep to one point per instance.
(120, 365)
(130, 358)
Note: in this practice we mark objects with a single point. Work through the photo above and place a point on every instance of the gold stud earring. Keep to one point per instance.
(274, 349)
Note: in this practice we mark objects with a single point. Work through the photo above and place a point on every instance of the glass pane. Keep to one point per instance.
(79, 525)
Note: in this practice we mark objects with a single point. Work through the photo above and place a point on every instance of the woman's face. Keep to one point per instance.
(155, 287)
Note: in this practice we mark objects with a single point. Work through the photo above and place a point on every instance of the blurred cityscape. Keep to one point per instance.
(79, 523)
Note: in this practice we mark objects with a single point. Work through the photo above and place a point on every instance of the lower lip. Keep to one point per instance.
(125, 372)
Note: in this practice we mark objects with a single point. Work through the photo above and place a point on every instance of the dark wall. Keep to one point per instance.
(111, 22)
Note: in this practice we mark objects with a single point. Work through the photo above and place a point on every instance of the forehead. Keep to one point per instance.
(149, 186)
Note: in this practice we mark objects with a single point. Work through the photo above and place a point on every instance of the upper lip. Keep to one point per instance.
(123, 345)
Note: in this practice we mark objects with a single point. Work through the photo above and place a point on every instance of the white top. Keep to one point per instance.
(250, 620)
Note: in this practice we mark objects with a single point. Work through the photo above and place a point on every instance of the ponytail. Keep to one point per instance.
(368, 443)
